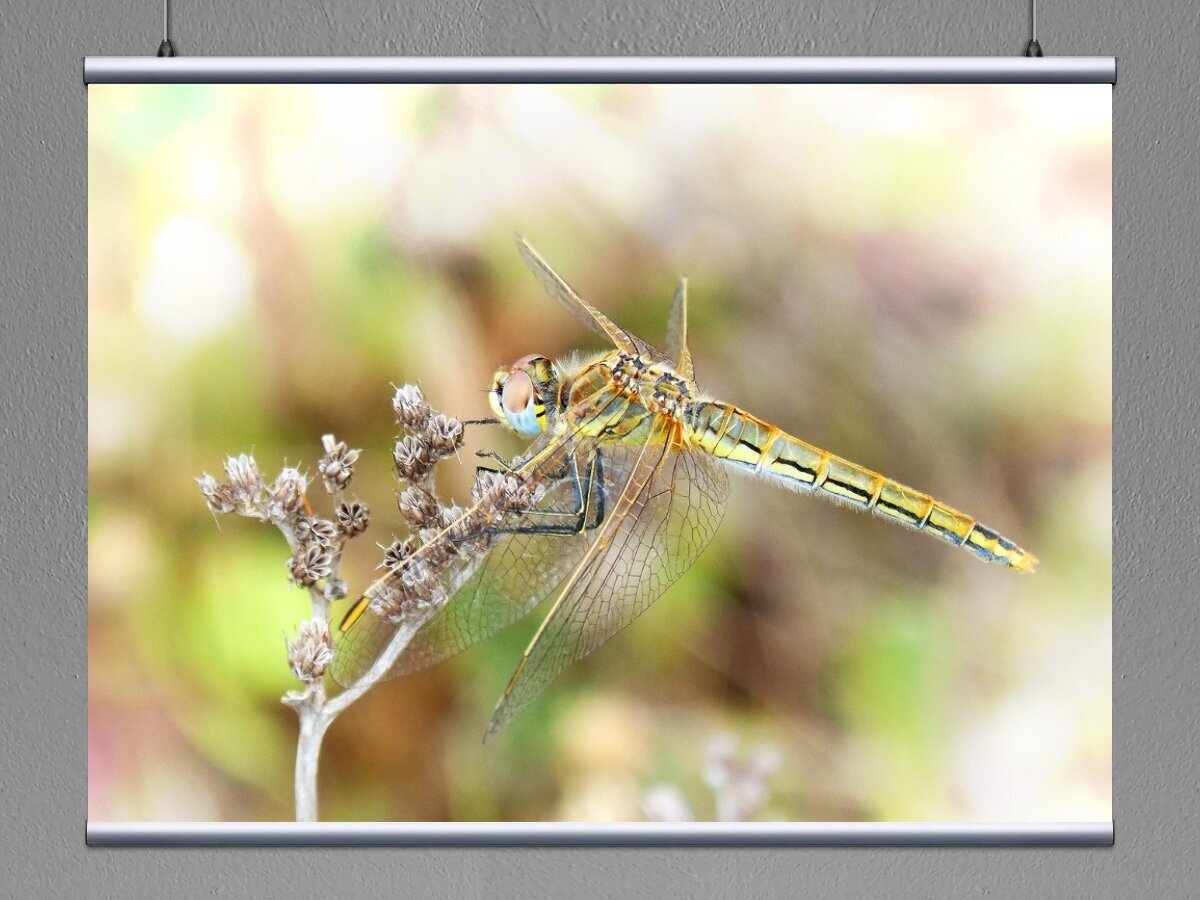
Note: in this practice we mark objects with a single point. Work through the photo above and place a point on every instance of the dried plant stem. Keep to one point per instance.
(314, 722)
(317, 713)
(317, 546)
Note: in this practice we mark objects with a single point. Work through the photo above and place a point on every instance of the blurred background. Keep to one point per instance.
(914, 277)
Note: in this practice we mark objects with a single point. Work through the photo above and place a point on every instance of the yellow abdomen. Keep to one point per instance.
(735, 436)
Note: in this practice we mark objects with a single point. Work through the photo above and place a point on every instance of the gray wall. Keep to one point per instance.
(42, 474)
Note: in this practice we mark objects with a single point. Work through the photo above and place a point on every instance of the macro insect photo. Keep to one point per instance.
(540, 391)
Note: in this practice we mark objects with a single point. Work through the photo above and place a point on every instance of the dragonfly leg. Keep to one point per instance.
(494, 457)
(508, 468)
(585, 515)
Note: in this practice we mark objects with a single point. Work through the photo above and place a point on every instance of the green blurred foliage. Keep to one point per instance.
(917, 278)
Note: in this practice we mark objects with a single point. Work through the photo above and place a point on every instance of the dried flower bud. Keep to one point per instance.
(445, 435)
(462, 524)
(512, 493)
(410, 609)
(312, 650)
(286, 495)
(336, 589)
(244, 478)
(436, 547)
(219, 497)
(412, 457)
(385, 601)
(739, 787)
(395, 555)
(419, 507)
(487, 486)
(420, 580)
(337, 465)
(313, 530)
(421, 586)
(310, 564)
(417, 589)
(666, 803)
(412, 410)
(397, 609)
(352, 517)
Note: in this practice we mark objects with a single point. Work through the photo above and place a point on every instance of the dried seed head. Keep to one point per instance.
(740, 786)
(515, 494)
(412, 457)
(463, 524)
(530, 494)
(410, 609)
(417, 590)
(245, 481)
(352, 518)
(313, 530)
(397, 609)
(420, 580)
(666, 803)
(312, 650)
(395, 555)
(337, 465)
(386, 601)
(421, 583)
(419, 507)
(310, 564)
(219, 497)
(286, 495)
(412, 410)
(445, 435)
(436, 547)
(487, 486)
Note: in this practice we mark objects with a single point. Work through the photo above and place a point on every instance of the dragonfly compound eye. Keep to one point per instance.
(517, 393)
(520, 403)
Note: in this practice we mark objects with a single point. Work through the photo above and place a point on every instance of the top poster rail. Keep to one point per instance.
(600, 69)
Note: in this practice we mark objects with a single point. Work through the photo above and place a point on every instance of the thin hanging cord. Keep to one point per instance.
(166, 48)
(1033, 48)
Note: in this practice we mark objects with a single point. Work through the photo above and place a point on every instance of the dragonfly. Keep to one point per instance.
(635, 462)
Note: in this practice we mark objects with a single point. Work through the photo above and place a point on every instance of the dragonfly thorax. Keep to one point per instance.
(669, 394)
(619, 397)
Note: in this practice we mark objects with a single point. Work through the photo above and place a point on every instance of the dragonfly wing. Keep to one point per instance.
(517, 574)
(677, 348)
(669, 502)
(361, 645)
(488, 594)
(556, 287)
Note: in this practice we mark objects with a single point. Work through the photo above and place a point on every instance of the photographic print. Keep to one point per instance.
(510, 453)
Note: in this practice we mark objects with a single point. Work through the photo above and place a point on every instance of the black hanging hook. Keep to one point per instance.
(166, 48)
(1033, 48)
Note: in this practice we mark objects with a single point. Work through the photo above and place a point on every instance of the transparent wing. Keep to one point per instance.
(669, 502)
(356, 650)
(556, 287)
(515, 577)
(490, 593)
(677, 348)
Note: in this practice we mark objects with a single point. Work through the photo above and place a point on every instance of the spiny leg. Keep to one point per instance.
(494, 457)
(585, 515)
(556, 474)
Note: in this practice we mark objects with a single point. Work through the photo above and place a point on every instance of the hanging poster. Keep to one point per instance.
(591, 456)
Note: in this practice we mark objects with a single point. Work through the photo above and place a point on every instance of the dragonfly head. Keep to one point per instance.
(521, 394)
